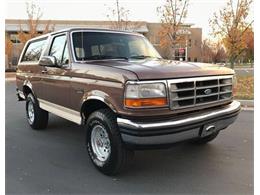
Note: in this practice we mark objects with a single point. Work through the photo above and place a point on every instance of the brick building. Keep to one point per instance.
(150, 30)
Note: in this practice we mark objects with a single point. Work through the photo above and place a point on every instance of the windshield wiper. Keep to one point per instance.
(142, 57)
(107, 57)
(104, 57)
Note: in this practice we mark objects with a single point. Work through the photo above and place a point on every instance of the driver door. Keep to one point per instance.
(56, 80)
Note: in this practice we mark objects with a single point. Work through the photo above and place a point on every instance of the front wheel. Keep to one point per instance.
(36, 117)
(104, 144)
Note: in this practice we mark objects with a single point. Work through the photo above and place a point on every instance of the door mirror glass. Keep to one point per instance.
(48, 61)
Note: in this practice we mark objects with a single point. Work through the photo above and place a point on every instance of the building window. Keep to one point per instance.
(14, 38)
(189, 43)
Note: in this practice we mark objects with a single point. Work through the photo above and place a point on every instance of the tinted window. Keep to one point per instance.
(59, 49)
(101, 45)
(33, 51)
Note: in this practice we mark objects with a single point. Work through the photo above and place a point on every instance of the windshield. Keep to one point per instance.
(100, 45)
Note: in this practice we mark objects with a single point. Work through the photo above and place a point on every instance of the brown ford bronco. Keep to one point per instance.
(127, 97)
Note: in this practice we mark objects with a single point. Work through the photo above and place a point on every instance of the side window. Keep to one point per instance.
(33, 51)
(59, 49)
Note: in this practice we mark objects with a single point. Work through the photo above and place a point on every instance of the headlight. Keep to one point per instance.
(145, 95)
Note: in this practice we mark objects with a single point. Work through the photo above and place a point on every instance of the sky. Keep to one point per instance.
(199, 13)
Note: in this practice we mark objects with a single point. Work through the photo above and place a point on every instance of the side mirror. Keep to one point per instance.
(48, 61)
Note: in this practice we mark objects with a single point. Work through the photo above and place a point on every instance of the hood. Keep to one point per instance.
(165, 69)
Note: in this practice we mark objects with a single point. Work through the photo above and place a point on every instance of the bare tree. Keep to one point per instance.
(219, 53)
(173, 14)
(206, 51)
(34, 14)
(230, 24)
(213, 52)
(119, 18)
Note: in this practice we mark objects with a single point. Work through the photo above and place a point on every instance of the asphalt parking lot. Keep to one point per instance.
(54, 161)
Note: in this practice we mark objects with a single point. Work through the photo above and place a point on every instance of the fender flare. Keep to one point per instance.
(100, 96)
(28, 84)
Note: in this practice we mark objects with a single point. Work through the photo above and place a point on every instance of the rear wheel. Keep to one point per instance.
(36, 117)
(104, 144)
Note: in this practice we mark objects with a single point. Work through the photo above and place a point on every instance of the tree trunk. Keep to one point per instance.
(232, 64)
(232, 61)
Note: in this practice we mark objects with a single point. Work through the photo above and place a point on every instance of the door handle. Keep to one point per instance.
(79, 91)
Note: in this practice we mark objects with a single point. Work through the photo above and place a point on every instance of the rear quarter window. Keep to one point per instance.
(34, 50)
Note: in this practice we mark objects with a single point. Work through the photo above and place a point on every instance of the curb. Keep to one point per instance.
(10, 79)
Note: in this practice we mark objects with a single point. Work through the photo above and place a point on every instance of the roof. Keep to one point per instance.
(93, 29)
(85, 29)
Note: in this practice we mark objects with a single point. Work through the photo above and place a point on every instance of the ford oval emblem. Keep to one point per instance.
(208, 91)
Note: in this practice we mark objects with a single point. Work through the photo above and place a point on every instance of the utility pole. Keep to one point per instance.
(186, 50)
(119, 27)
(118, 11)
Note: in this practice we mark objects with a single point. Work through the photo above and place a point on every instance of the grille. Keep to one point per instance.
(192, 92)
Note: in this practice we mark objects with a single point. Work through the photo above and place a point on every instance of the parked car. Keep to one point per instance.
(127, 97)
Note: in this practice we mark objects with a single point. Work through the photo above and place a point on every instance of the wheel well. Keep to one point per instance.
(90, 106)
(26, 90)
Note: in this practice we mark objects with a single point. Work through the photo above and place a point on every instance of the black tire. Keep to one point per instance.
(119, 156)
(205, 140)
(40, 119)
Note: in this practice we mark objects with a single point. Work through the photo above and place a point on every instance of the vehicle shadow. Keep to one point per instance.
(177, 160)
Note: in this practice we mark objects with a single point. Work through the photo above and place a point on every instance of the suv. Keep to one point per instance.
(127, 97)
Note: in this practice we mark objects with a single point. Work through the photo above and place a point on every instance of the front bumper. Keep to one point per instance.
(178, 129)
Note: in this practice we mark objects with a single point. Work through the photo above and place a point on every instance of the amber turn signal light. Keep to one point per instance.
(146, 102)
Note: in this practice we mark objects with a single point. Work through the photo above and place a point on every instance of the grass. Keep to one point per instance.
(244, 88)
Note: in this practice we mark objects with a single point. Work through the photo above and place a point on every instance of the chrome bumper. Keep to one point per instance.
(175, 130)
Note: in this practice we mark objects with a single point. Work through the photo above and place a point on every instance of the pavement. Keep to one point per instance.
(244, 71)
(55, 161)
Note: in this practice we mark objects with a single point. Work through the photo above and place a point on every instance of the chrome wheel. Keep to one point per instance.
(100, 143)
(30, 112)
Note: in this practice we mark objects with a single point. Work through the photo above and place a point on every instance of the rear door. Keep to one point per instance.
(56, 80)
